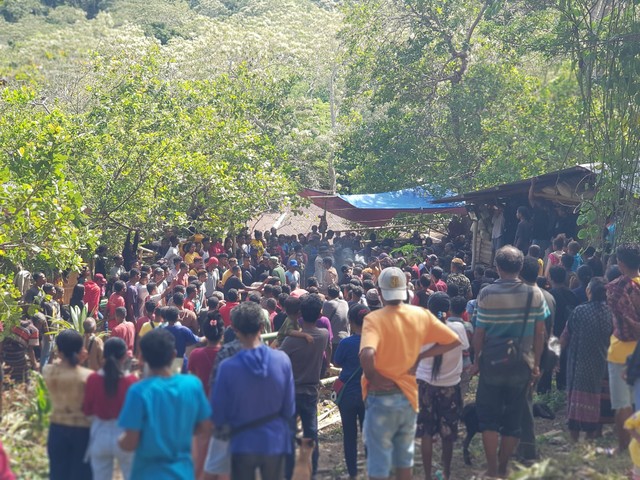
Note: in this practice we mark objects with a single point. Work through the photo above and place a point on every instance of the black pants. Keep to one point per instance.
(544, 385)
(307, 410)
(351, 413)
(244, 466)
(527, 446)
(66, 447)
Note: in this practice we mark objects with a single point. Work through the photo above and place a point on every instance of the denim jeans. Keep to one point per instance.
(307, 410)
(351, 410)
(389, 433)
(104, 449)
(66, 447)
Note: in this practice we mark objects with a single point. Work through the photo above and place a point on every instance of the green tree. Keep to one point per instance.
(602, 41)
(42, 224)
(152, 153)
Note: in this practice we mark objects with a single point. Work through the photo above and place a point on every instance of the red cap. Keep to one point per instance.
(99, 279)
(212, 261)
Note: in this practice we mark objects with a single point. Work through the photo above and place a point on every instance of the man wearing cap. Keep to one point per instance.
(389, 351)
(213, 277)
(459, 279)
(277, 270)
(373, 299)
(292, 275)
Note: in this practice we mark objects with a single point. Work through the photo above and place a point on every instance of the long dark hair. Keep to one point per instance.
(439, 305)
(69, 343)
(77, 297)
(114, 350)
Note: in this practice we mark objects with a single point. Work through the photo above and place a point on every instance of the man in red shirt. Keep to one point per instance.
(192, 293)
(182, 277)
(124, 330)
(436, 277)
(116, 300)
(225, 310)
(92, 294)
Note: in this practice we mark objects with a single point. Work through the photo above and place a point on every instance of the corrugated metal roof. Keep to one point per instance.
(580, 173)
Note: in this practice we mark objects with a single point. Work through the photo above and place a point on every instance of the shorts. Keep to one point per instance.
(388, 432)
(621, 392)
(218, 461)
(440, 411)
(500, 407)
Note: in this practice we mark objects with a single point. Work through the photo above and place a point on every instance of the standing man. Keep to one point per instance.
(292, 274)
(248, 271)
(389, 352)
(115, 300)
(506, 310)
(623, 297)
(34, 294)
(459, 279)
(337, 311)
(257, 371)
(527, 446)
(306, 360)
(277, 270)
(330, 273)
(497, 230)
(131, 296)
(213, 277)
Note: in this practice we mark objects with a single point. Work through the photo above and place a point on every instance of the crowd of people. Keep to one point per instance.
(172, 375)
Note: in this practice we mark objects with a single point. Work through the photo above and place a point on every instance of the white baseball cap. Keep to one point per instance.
(393, 284)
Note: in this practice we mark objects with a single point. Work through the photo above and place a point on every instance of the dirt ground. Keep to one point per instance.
(559, 459)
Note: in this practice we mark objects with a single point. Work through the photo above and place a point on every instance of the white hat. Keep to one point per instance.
(393, 284)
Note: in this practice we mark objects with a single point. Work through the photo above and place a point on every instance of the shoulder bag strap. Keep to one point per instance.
(255, 423)
(526, 313)
(357, 370)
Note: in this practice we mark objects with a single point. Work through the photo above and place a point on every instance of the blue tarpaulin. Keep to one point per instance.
(375, 209)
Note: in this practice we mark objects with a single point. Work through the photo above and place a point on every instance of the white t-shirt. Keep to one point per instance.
(171, 252)
(292, 276)
(451, 367)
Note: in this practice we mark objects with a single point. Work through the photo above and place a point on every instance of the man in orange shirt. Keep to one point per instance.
(115, 300)
(389, 351)
(124, 330)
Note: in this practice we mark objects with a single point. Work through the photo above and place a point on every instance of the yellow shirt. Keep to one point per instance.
(146, 328)
(619, 350)
(633, 423)
(225, 276)
(397, 333)
(189, 258)
(66, 389)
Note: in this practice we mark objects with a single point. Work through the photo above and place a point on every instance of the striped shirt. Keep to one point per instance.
(500, 311)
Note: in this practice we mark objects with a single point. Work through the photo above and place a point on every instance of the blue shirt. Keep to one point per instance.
(184, 337)
(165, 410)
(347, 356)
(254, 384)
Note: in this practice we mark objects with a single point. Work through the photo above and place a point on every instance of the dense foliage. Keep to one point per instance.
(132, 114)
